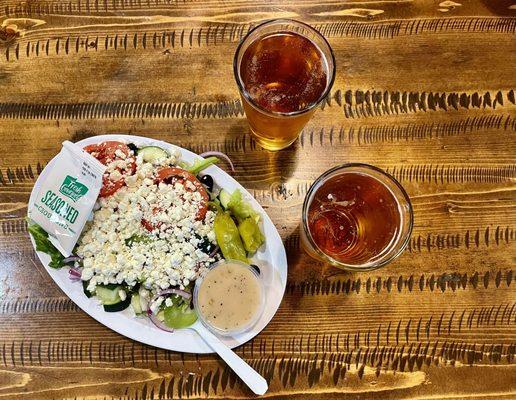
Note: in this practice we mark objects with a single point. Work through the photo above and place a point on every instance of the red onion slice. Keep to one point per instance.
(72, 258)
(155, 320)
(218, 154)
(74, 272)
(214, 251)
(179, 292)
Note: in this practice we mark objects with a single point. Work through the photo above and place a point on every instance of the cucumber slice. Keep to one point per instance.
(108, 296)
(85, 289)
(152, 153)
(135, 302)
(225, 198)
(145, 297)
(179, 317)
(121, 305)
(111, 286)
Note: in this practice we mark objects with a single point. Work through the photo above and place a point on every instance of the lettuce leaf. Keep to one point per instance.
(44, 245)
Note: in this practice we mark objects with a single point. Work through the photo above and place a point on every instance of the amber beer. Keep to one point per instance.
(284, 69)
(356, 217)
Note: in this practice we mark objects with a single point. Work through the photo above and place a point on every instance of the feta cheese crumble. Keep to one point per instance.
(147, 231)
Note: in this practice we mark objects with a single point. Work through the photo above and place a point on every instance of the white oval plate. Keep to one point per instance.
(271, 259)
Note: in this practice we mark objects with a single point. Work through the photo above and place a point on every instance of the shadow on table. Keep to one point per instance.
(262, 165)
(303, 266)
(500, 7)
(281, 165)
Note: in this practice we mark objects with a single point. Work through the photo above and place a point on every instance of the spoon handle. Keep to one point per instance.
(251, 378)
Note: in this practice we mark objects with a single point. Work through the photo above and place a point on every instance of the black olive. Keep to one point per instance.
(205, 245)
(207, 181)
(135, 288)
(133, 147)
(255, 267)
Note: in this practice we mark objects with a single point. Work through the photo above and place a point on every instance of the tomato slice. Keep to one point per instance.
(92, 148)
(110, 187)
(108, 151)
(149, 225)
(173, 175)
(105, 152)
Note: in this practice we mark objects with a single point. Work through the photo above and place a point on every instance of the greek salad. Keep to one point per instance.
(158, 223)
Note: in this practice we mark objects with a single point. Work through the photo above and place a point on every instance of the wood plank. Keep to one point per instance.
(161, 65)
(424, 90)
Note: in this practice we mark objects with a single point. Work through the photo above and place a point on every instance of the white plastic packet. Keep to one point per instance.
(67, 196)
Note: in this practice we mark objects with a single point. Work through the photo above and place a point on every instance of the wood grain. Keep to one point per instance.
(424, 90)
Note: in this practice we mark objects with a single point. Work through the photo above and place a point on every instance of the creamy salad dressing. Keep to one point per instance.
(229, 296)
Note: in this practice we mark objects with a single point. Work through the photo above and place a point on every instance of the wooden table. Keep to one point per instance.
(423, 90)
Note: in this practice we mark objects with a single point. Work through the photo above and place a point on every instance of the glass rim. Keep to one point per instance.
(245, 93)
(368, 265)
(252, 322)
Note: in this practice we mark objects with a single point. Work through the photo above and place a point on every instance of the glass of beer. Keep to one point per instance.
(284, 70)
(356, 217)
